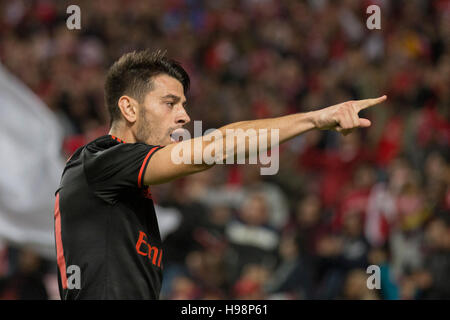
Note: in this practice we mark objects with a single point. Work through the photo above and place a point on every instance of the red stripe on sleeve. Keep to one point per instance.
(59, 246)
(143, 165)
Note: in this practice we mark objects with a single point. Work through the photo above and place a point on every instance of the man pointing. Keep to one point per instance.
(105, 221)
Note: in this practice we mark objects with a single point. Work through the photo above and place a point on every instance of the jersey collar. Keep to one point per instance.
(117, 139)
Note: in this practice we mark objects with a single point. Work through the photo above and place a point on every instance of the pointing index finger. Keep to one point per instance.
(364, 104)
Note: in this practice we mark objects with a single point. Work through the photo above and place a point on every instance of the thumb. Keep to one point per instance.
(364, 123)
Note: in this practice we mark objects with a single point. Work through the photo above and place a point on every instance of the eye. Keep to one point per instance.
(170, 104)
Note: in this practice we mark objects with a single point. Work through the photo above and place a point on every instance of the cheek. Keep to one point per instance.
(159, 113)
(159, 121)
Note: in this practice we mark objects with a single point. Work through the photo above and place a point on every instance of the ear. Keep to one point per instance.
(128, 108)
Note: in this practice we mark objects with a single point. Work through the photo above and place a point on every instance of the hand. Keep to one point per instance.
(343, 117)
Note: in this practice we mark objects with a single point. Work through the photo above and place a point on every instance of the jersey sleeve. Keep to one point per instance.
(116, 169)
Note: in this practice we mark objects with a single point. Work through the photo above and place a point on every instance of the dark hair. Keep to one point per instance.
(132, 75)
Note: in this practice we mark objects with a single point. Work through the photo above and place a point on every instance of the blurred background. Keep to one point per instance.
(338, 204)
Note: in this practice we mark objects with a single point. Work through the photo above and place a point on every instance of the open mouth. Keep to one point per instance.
(177, 135)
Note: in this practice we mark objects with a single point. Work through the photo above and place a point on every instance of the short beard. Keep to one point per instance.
(143, 129)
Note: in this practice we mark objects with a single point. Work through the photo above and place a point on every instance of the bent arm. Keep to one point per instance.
(222, 145)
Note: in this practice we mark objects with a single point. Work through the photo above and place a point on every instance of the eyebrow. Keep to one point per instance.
(174, 97)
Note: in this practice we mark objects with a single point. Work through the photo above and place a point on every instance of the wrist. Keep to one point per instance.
(312, 119)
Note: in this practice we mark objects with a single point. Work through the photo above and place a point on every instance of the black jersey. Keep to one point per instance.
(106, 229)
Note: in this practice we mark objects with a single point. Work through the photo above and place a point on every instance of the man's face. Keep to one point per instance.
(162, 111)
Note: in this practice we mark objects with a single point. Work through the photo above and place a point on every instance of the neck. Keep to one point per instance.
(122, 133)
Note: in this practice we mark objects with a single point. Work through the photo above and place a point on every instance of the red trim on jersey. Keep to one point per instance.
(117, 139)
(143, 165)
(59, 246)
(70, 157)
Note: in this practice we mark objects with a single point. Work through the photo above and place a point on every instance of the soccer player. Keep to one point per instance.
(105, 223)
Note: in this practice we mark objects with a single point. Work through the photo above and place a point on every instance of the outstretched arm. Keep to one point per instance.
(341, 117)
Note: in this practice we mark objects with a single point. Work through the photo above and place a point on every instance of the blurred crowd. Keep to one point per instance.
(379, 196)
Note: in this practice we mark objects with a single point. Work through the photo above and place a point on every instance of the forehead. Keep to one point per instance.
(163, 85)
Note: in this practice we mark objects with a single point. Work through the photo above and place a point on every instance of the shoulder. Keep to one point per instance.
(109, 156)
(113, 151)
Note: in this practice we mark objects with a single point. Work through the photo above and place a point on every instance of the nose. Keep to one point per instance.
(182, 117)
